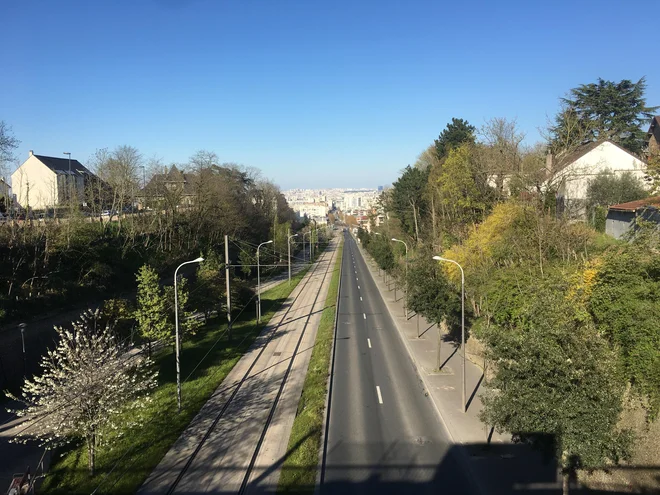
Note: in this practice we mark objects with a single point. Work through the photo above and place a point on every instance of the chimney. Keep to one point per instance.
(548, 164)
(30, 153)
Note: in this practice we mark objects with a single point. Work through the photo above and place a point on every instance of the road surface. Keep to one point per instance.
(383, 433)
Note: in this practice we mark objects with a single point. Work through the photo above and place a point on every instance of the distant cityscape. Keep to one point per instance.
(316, 203)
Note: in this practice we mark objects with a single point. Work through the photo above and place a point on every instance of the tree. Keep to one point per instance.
(556, 383)
(607, 189)
(151, 313)
(188, 323)
(427, 158)
(407, 199)
(456, 133)
(209, 294)
(625, 305)
(652, 176)
(604, 110)
(430, 294)
(463, 192)
(119, 169)
(499, 153)
(88, 386)
(8, 143)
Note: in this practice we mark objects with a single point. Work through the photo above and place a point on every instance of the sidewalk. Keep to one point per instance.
(499, 465)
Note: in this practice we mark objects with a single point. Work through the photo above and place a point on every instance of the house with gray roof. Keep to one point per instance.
(43, 182)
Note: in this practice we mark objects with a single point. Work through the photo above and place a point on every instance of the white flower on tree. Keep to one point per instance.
(88, 384)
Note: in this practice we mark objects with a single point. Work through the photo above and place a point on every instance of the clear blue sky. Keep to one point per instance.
(314, 93)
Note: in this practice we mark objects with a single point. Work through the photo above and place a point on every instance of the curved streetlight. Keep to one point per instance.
(259, 282)
(176, 331)
(288, 241)
(440, 258)
(405, 287)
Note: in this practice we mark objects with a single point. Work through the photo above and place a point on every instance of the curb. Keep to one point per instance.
(464, 458)
(324, 430)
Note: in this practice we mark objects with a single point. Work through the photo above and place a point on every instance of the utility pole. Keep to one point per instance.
(227, 286)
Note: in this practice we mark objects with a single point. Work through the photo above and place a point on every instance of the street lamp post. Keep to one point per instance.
(69, 176)
(259, 282)
(22, 327)
(439, 258)
(288, 240)
(176, 331)
(405, 287)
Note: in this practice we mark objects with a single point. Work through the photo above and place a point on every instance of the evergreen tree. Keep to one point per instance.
(408, 199)
(456, 133)
(603, 110)
(151, 313)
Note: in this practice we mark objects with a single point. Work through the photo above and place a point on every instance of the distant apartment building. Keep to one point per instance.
(312, 210)
(43, 182)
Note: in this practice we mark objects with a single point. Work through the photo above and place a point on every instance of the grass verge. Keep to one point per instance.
(301, 465)
(119, 472)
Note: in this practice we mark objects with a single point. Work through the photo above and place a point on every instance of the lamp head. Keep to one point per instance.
(394, 239)
(198, 260)
(269, 242)
(438, 258)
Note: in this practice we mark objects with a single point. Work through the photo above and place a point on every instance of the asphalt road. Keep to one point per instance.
(383, 434)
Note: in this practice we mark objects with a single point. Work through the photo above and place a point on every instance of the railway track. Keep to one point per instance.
(231, 408)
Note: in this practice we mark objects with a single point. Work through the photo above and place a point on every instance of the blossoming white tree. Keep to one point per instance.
(89, 383)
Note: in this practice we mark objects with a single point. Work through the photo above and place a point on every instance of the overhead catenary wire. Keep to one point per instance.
(206, 378)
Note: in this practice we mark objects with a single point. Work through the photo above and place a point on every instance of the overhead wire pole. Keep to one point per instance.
(176, 331)
(227, 285)
(259, 282)
(310, 241)
(440, 258)
(311, 238)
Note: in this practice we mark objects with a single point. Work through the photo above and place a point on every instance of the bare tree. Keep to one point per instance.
(500, 155)
(120, 170)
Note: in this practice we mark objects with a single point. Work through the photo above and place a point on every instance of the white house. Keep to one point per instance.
(44, 181)
(571, 175)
